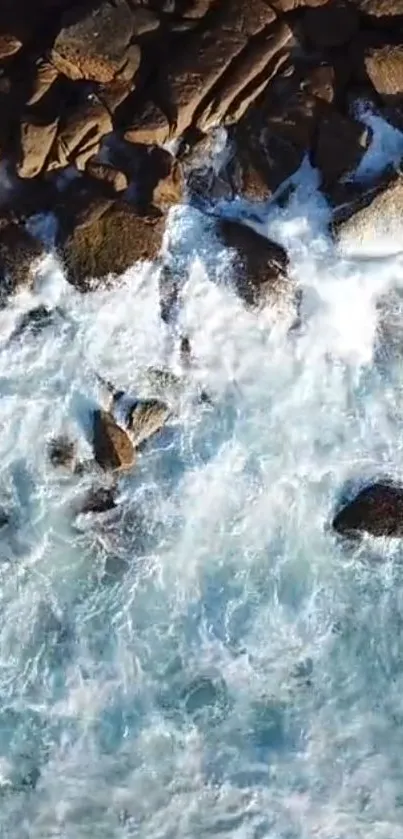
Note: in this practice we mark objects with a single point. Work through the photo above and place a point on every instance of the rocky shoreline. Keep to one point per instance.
(109, 108)
(110, 113)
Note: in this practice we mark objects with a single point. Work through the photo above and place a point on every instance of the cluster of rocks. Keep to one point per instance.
(108, 111)
(123, 95)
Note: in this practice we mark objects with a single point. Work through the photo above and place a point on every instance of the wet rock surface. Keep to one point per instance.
(91, 91)
(376, 510)
(113, 449)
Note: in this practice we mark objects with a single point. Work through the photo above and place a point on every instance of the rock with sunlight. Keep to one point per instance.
(374, 213)
(113, 449)
(376, 510)
(110, 244)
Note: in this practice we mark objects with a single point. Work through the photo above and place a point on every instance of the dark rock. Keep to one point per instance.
(330, 25)
(377, 510)
(96, 45)
(9, 45)
(110, 244)
(19, 254)
(113, 450)
(275, 135)
(33, 321)
(260, 264)
(340, 145)
(99, 500)
(62, 453)
(109, 176)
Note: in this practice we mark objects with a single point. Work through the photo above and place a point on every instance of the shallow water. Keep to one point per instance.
(208, 659)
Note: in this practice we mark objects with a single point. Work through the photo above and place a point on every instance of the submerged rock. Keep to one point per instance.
(63, 453)
(113, 449)
(376, 510)
(98, 500)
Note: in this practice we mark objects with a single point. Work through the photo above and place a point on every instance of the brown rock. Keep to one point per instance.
(193, 71)
(377, 510)
(385, 69)
(247, 77)
(62, 453)
(149, 125)
(36, 142)
(170, 184)
(113, 449)
(19, 254)
(321, 82)
(260, 264)
(144, 20)
(110, 245)
(9, 45)
(45, 76)
(330, 25)
(80, 134)
(341, 143)
(95, 46)
(107, 175)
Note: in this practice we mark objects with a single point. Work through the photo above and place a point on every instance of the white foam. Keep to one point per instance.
(218, 578)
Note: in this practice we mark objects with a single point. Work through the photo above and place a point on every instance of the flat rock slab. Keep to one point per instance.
(94, 45)
(376, 510)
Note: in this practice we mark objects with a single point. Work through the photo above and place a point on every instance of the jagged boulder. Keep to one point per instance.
(376, 510)
(113, 449)
(260, 265)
